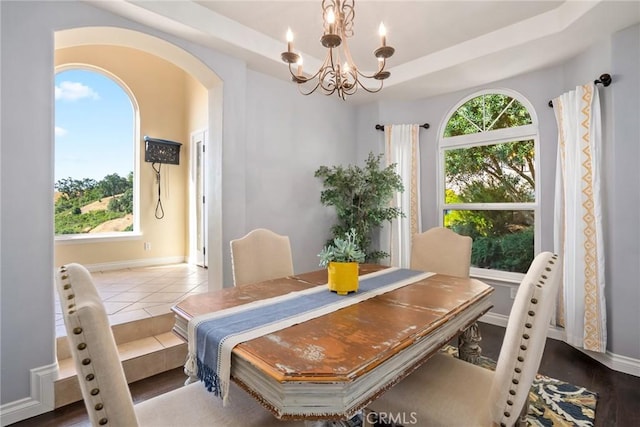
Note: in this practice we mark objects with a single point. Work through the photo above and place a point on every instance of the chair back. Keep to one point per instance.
(102, 381)
(525, 338)
(442, 251)
(260, 255)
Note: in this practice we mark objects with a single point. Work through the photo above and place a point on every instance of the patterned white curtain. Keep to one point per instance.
(578, 218)
(402, 148)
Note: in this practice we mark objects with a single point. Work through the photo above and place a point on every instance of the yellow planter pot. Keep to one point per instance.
(343, 277)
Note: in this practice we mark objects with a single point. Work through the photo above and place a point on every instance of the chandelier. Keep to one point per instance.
(332, 76)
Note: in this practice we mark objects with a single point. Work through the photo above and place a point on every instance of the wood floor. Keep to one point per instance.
(618, 394)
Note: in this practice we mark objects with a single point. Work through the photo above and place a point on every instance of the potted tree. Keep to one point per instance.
(361, 197)
(341, 258)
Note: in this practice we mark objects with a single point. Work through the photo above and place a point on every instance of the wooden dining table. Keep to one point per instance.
(332, 366)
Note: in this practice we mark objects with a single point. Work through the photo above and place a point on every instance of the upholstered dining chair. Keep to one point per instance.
(260, 255)
(441, 250)
(446, 391)
(102, 380)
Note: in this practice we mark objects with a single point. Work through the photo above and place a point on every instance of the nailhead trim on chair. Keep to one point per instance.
(523, 347)
(78, 340)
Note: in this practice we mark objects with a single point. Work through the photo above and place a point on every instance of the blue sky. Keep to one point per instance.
(93, 126)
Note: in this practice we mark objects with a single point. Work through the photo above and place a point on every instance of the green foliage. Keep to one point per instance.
(511, 252)
(114, 184)
(361, 198)
(342, 250)
(75, 224)
(497, 173)
(451, 217)
(75, 188)
(76, 193)
(487, 112)
(62, 205)
(508, 167)
(123, 202)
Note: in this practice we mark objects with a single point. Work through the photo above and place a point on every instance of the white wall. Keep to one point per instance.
(538, 88)
(253, 107)
(27, 329)
(623, 188)
(368, 138)
(248, 154)
(619, 56)
(288, 137)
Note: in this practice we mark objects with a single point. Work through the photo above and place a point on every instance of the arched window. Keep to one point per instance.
(488, 181)
(95, 155)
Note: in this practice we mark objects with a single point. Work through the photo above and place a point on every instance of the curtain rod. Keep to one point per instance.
(604, 79)
(381, 127)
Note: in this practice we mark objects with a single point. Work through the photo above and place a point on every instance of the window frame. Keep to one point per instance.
(492, 137)
(136, 233)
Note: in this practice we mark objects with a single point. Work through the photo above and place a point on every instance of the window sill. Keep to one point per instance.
(75, 239)
(497, 277)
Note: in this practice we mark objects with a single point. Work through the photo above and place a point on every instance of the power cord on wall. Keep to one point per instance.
(159, 212)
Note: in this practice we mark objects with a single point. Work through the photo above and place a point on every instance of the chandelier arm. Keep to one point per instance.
(295, 75)
(327, 81)
(333, 76)
(301, 84)
(372, 90)
(356, 72)
(329, 75)
(379, 70)
(367, 76)
(347, 53)
(300, 88)
(350, 89)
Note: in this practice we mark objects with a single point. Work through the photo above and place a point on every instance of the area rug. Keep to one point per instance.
(552, 403)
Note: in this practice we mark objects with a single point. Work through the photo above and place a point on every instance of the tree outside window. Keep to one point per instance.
(488, 163)
(94, 162)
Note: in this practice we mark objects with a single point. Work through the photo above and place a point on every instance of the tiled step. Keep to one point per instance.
(147, 347)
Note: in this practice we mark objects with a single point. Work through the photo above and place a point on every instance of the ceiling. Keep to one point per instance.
(441, 46)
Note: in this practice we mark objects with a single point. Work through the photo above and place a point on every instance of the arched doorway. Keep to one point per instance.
(207, 78)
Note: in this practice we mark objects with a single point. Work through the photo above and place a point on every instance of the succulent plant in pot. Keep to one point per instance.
(341, 259)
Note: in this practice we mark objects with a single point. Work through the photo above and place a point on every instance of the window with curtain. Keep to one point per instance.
(488, 188)
(94, 155)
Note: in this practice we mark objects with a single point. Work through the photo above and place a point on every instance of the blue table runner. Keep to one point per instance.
(208, 356)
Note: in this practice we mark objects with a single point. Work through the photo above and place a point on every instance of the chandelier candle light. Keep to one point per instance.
(332, 77)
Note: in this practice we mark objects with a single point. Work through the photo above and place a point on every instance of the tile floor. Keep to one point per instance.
(138, 293)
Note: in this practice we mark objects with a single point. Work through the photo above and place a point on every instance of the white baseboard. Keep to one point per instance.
(40, 401)
(134, 263)
(619, 363)
(627, 365)
(42, 396)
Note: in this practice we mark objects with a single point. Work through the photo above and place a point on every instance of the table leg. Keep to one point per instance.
(191, 377)
(468, 348)
(369, 418)
(327, 424)
(522, 418)
(357, 420)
